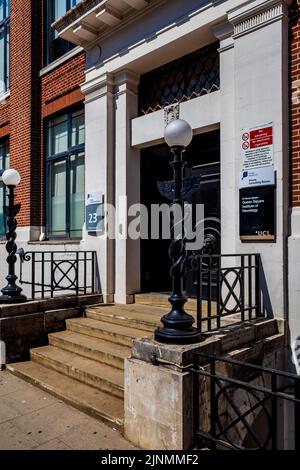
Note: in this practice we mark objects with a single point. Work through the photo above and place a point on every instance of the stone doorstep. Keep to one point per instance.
(42, 305)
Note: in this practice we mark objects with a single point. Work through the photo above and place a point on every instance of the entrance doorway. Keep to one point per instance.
(203, 159)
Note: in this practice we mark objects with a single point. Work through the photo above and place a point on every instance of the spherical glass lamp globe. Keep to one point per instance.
(11, 177)
(178, 133)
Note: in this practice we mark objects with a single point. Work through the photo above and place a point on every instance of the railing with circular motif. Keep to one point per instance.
(244, 405)
(227, 286)
(49, 272)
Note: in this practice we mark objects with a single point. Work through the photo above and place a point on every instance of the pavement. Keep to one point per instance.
(31, 419)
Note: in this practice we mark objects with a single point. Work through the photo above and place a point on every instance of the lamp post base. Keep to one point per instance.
(167, 335)
(13, 299)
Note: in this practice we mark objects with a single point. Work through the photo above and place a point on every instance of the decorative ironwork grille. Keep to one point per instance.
(47, 272)
(230, 285)
(245, 405)
(190, 76)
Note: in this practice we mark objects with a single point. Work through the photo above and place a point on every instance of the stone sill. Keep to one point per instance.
(60, 61)
(4, 96)
(55, 242)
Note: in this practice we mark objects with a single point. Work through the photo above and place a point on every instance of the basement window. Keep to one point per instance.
(56, 46)
(4, 45)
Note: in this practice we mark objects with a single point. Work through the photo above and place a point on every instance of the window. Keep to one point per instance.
(65, 175)
(183, 79)
(56, 46)
(4, 45)
(4, 164)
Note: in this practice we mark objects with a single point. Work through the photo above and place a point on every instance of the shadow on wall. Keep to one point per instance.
(266, 305)
(177, 12)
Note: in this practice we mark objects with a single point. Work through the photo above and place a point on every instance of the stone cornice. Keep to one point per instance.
(76, 13)
(89, 20)
(255, 14)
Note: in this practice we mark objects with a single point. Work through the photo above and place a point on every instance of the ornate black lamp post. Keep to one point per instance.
(11, 293)
(178, 325)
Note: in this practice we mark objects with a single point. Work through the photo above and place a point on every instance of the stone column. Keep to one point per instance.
(99, 169)
(229, 195)
(127, 189)
(294, 280)
(260, 76)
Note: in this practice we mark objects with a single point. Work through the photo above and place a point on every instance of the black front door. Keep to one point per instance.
(203, 159)
(155, 262)
(208, 195)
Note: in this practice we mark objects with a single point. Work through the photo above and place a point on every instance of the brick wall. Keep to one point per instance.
(32, 100)
(295, 103)
(60, 90)
(4, 115)
(25, 107)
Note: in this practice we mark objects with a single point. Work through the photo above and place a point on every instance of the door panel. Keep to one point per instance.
(208, 195)
(202, 157)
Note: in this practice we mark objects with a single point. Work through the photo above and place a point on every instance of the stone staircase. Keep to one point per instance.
(84, 365)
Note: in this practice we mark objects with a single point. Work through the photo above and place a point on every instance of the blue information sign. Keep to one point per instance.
(94, 217)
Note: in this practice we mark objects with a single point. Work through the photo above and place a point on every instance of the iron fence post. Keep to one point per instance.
(213, 402)
(52, 273)
(257, 286)
(33, 275)
(43, 275)
(196, 397)
(274, 420)
(297, 413)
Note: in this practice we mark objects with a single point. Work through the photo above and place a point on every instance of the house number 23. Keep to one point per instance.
(93, 218)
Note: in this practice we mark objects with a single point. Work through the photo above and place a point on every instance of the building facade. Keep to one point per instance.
(86, 89)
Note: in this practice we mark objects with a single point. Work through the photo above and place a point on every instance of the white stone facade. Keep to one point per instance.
(253, 50)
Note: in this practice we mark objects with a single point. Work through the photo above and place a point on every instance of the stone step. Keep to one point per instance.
(145, 317)
(159, 299)
(109, 332)
(92, 348)
(138, 316)
(101, 376)
(96, 403)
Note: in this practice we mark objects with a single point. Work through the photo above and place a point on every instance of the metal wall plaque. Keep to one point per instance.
(257, 214)
(94, 212)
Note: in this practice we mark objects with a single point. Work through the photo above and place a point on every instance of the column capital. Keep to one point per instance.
(97, 87)
(126, 81)
(250, 16)
(224, 31)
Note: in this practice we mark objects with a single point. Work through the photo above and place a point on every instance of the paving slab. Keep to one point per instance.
(31, 419)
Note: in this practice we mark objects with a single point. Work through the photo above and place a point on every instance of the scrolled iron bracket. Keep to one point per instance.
(189, 186)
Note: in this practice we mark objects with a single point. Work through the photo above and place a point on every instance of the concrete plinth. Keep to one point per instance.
(159, 393)
(158, 415)
(159, 399)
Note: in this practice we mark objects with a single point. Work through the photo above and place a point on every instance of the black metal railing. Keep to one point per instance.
(226, 285)
(49, 272)
(242, 406)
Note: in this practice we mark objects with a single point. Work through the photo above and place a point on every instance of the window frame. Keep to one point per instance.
(5, 24)
(60, 157)
(50, 32)
(5, 166)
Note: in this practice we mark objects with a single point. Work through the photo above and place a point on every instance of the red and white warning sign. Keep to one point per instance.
(257, 146)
